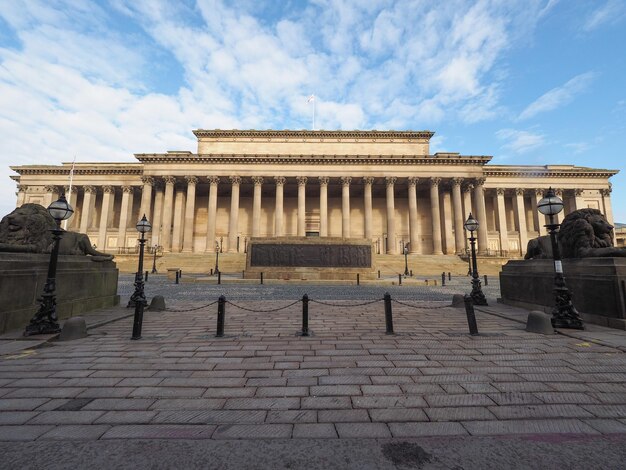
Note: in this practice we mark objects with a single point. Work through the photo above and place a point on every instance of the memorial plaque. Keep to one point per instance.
(310, 255)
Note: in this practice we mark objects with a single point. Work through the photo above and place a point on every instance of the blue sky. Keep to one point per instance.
(528, 82)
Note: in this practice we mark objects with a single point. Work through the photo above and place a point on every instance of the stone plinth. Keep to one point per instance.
(82, 285)
(598, 287)
(309, 258)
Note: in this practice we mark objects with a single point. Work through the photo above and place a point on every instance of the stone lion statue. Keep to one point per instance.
(27, 230)
(584, 233)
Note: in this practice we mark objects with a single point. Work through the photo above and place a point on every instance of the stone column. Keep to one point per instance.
(211, 214)
(156, 213)
(539, 220)
(126, 207)
(578, 200)
(233, 221)
(190, 212)
(561, 215)
(608, 208)
(459, 231)
(520, 218)
(501, 216)
(108, 198)
(51, 192)
(168, 204)
(390, 182)
(435, 215)
(256, 206)
(89, 204)
(72, 198)
(278, 212)
(447, 219)
(481, 215)
(146, 197)
(21, 194)
(178, 218)
(345, 206)
(301, 205)
(367, 204)
(323, 206)
(414, 241)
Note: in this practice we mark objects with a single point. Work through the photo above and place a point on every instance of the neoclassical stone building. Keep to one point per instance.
(384, 186)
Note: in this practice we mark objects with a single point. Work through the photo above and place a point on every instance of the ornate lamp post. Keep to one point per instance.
(154, 257)
(406, 262)
(471, 224)
(217, 257)
(138, 297)
(45, 321)
(564, 314)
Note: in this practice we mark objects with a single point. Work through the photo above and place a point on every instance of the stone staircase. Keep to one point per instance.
(202, 263)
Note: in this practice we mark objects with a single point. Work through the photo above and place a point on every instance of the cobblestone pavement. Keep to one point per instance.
(348, 381)
(200, 291)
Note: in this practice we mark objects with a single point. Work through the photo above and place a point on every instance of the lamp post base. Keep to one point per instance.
(564, 314)
(477, 295)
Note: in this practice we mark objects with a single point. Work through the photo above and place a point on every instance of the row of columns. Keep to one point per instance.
(166, 205)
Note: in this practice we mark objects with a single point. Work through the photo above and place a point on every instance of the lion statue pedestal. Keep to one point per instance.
(86, 279)
(594, 270)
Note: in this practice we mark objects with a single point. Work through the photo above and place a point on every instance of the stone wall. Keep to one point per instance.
(82, 285)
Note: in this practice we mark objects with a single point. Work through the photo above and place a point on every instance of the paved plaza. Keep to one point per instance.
(349, 396)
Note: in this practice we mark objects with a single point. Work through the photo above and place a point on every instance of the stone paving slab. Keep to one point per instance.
(348, 381)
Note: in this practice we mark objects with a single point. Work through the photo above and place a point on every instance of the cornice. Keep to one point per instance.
(547, 172)
(245, 159)
(136, 169)
(304, 134)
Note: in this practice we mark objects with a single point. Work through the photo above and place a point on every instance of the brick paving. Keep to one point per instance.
(348, 380)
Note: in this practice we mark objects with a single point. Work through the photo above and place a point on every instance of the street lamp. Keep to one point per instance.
(138, 297)
(406, 263)
(45, 321)
(471, 224)
(217, 257)
(564, 314)
(154, 268)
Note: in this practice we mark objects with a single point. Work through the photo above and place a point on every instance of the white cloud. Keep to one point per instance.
(558, 96)
(520, 141)
(578, 147)
(609, 13)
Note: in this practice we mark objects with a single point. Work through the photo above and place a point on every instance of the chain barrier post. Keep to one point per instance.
(388, 314)
(358, 279)
(221, 312)
(449, 276)
(180, 273)
(411, 273)
(211, 273)
(243, 274)
(305, 316)
(486, 282)
(471, 317)
(443, 279)
(261, 277)
(176, 277)
(146, 276)
(379, 274)
(219, 277)
(399, 279)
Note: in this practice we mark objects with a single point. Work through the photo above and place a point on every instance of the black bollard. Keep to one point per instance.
(211, 273)
(305, 316)
(449, 276)
(411, 273)
(180, 273)
(443, 279)
(471, 317)
(146, 276)
(388, 314)
(176, 277)
(358, 280)
(219, 277)
(261, 277)
(221, 313)
(399, 279)
(486, 282)
(379, 274)
(243, 274)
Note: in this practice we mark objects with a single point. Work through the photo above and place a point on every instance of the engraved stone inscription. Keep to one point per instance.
(313, 256)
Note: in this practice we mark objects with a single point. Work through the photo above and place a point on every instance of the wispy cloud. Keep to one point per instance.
(520, 141)
(609, 13)
(578, 147)
(558, 96)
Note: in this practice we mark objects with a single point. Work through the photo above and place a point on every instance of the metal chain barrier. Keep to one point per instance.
(330, 304)
(190, 309)
(262, 311)
(420, 306)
